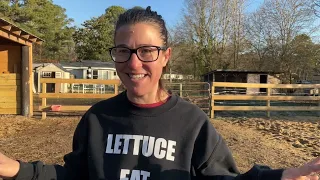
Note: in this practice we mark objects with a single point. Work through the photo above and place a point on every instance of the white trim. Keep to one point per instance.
(37, 69)
(93, 68)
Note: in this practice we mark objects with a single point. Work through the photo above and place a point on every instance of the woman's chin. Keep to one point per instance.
(137, 92)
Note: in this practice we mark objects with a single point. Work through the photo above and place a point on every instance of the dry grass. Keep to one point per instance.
(260, 141)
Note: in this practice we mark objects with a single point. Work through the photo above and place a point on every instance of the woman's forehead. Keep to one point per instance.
(138, 26)
(141, 33)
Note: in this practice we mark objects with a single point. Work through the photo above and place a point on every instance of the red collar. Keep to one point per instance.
(153, 105)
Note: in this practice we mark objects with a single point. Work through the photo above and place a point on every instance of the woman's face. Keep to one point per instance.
(141, 78)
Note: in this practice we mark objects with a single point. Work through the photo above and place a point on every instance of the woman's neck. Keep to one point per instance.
(151, 98)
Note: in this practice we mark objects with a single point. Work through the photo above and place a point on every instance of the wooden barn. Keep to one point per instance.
(16, 95)
(244, 76)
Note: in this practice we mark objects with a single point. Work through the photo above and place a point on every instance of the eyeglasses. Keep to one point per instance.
(144, 53)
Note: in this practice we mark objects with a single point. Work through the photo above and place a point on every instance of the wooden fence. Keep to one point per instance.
(44, 108)
(199, 93)
(217, 88)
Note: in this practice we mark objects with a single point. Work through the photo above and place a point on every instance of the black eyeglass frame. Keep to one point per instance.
(159, 48)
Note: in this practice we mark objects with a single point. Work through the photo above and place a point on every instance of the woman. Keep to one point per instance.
(145, 133)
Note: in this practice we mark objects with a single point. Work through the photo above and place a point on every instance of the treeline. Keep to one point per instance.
(280, 35)
(63, 40)
(45, 20)
(221, 34)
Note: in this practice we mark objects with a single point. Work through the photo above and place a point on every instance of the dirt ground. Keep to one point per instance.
(278, 143)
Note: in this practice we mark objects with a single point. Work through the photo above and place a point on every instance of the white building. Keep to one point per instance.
(50, 70)
(90, 69)
(175, 76)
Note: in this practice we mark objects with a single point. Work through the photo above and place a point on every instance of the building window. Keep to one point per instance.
(95, 74)
(115, 73)
(58, 75)
(46, 74)
(103, 74)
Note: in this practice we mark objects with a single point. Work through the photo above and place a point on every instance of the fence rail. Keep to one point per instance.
(197, 93)
(218, 87)
(44, 108)
(206, 96)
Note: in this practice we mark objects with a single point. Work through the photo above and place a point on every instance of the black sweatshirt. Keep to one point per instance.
(117, 140)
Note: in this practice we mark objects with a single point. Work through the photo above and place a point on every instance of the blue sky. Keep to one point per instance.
(81, 10)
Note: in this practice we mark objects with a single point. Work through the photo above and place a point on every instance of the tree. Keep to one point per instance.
(238, 32)
(272, 29)
(46, 20)
(96, 36)
(305, 56)
(262, 47)
(138, 7)
(178, 62)
(4, 8)
(316, 7)
(214, 31)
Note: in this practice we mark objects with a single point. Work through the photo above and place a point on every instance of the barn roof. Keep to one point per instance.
(42, 65)
(240, 71)
(88, 63)
(7, 29)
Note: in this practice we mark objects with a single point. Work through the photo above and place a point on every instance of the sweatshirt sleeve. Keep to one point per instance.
(75, 167)
(212, 159)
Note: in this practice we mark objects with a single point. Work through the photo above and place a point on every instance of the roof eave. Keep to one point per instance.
(19, 32)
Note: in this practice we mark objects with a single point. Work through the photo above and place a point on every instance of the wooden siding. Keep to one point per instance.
(10, 94)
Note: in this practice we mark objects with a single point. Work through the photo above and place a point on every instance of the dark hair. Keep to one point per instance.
(140, 15)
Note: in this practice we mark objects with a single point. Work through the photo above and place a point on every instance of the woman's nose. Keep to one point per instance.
(134, 61)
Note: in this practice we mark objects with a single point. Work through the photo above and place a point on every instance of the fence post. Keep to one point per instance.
(212, 101)
(44, 101)
(268, 101)
(116, 90)
(318, 99)
(180, 89)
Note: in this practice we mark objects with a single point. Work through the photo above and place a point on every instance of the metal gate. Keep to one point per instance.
(198, 93)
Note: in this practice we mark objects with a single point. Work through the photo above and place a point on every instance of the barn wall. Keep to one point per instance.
(10, 59)
(10, 94)
(274, 80)
(253, 78)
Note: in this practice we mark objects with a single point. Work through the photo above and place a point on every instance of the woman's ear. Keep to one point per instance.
(167, 56)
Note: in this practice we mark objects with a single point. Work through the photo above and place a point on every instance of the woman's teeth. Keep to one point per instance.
(136, 76)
